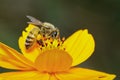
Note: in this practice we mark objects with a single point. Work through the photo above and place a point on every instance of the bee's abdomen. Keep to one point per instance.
(29, 40)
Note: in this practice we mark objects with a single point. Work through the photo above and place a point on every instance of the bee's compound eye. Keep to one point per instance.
(53, 34)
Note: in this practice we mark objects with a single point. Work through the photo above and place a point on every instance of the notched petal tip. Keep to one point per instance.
(107, 77)
(80, 46)
(32, 53)
(85, 74)
(30, 27)
(23, 38)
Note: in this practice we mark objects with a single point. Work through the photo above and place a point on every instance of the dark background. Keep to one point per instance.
(101, 17)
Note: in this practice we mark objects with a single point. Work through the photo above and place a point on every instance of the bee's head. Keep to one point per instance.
(54, 34)
(52, 30)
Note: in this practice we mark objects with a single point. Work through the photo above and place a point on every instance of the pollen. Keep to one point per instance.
(50, 43)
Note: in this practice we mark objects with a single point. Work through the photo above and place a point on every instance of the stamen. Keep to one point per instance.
(50, 43)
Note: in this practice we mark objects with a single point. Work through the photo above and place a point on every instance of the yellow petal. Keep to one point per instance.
(10, 58)
(84, 74)
(53, 77)
(25, 75)
(80, 46)
(34, 52)
(54, 60)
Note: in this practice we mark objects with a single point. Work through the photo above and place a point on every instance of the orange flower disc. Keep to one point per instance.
(54, 60)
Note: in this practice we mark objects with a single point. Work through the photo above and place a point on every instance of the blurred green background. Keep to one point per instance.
(101, 17)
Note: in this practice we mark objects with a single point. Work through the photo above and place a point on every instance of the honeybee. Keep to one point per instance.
(44, 29)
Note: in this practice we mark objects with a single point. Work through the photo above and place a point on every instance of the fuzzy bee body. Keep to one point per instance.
(32, 37)
(44, 29)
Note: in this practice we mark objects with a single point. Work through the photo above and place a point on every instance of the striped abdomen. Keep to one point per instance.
(31, 38)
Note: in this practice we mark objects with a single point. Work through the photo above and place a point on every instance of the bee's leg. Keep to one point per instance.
(40, 42)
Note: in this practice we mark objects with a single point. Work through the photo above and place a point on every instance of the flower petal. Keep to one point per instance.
(53, 77)
(33, 52)
(84, 74)
(10, 58)
(54, 60)
(80, 46)
(24, 75)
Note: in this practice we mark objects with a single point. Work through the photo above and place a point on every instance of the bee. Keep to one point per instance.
(45, 29)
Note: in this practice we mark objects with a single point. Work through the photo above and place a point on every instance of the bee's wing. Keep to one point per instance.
(34, 20)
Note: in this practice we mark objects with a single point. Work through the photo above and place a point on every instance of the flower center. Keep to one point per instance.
(51, 56)
(50, 43)
(54, 60)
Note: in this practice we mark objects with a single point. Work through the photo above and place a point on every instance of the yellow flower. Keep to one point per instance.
(56, 60)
